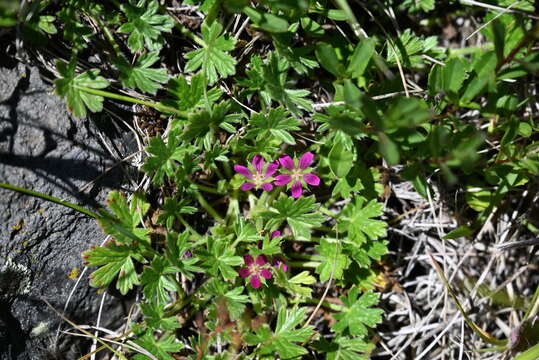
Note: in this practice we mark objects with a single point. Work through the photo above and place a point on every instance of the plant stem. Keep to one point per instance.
(326, 304)
(188, 227)
(303, 264)
(156, 106)
(207, 189)
(108, 35)
(189, 34)
(51, 199)
(208, 207)
(328, 212)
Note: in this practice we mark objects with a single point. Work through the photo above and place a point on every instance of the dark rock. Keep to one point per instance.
(44, 149)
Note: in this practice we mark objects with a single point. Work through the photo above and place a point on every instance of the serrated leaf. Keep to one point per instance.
(300, 215)
(220, 258)
(124, 226)
(212, 58)
(164, 157)
(358, 314)
(140, 75)
(275, 76)
(188, 96)
(159, 347)
(154, 317)
(282, 340)
(144, 25)
(235, 301)
(113, 260)
(172, 209)
(69, 86)
(245, 232)
(157, 281)
(203, 124)
(274, 123)
(358, 220)
(176, 252)
(334, 261)
(345, 348)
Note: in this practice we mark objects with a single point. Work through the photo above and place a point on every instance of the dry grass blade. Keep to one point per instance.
(478, 330)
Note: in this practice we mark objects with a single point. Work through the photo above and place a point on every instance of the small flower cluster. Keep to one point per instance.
(294, 173)
(255, 269)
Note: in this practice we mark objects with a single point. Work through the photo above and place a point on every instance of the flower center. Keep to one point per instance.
(255, 269)
(258, 178)
(297, 174)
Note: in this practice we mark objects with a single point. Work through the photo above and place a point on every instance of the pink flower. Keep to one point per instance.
(258, 176)
(278, 263)
(297, 174)
(255, 269)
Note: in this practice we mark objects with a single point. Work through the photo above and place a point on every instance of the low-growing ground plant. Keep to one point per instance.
(259, 229)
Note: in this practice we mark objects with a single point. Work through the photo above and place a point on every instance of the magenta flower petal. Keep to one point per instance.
(311, 179)
(243, 171)
(306, 160)
(244, 272)
(267, 186)
(296, 189)
(287, 162)
(258, 163)
(248, 260)
(275, 234)
(280, 264)
(255, 281)
(282, 179)
(247, 186)
(272, 167)
(261, 260)
(265, 273)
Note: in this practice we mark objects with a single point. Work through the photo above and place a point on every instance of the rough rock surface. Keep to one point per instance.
(44, 149)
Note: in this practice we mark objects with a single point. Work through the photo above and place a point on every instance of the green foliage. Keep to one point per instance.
(334, 262)
(299, 214)
(219, 259)
(274, 123)
(70, 86)
(124, 225)
(212, 58)
(144, 25)
(201, 248)
(157, 281)
(140, 75)
(115, 260)
(165, 156)
(358, 313)
(359, 223)
(172, 209)
(282, 340)
(158, 347)
(275, 87)
(156, 319)
(188, 96)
